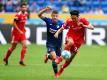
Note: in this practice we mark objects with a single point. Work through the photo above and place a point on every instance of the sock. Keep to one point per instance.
(55, 67)
(22, 54)
(8, 53)
(49, 57)
(66, 63)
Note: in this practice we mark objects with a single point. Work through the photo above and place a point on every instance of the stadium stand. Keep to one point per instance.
(94, 10)
(85, 6)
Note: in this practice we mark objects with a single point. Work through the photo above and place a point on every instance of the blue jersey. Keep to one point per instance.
(51, 30)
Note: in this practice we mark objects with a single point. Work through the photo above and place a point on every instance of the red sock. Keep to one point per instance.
(22, 54)
(66, 64)
(8, 53)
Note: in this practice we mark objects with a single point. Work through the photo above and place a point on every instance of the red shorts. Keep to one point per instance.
(75, 46)
(17, 38)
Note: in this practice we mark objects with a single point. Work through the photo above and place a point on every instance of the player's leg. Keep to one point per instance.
(63, 66)
(46, 58)
(55, 67)
(50, 53)
(73, 50)
(14, 41)
(53, 55)
(23, 51)
(67, 62)
(58, 53)
(69, 43)
(10, 50)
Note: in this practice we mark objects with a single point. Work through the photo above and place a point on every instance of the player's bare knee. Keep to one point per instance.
(70, 42)
(24, 46)
(53, 55)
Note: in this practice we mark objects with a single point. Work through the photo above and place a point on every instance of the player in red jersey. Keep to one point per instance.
(18, 34)
(74, 37)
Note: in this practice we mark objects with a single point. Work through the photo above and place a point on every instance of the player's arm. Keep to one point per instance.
(15, 25)
(58, 32)
(40, 14)
(89, 26)
(64, 26)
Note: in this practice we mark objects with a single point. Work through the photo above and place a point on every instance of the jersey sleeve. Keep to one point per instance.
(17, 17)
(85, 21)
(62, 22)
(45, 19)
(65, 25)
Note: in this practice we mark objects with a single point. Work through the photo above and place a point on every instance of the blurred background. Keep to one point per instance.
(94, 10)
(63, 6)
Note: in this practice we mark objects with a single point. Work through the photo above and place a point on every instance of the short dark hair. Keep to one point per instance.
(74, 12)
(23, 4)
(55, 11)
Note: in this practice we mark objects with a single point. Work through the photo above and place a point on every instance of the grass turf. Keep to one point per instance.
(89, 64)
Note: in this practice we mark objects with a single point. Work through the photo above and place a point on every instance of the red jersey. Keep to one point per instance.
(21, 22)
(75, 31)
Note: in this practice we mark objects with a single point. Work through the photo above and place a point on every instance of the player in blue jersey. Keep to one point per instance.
(53, 44)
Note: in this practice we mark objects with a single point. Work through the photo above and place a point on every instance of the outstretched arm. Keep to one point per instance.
(87, 26)
(40, 14)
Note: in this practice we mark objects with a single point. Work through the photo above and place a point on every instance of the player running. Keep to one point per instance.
(53, 44)
(18, 34)
(74, 37)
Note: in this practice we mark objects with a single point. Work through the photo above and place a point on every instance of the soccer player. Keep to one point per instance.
(53, 45)
(18, 34)
(74, 38)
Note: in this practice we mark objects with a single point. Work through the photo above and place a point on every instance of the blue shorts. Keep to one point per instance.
(57, 49)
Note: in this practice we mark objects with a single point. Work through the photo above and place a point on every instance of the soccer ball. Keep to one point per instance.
(66, 55)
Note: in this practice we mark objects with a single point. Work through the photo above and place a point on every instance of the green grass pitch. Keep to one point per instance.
(89, 64)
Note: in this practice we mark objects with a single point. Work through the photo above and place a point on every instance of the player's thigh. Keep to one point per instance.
(23, 41)
(58, 51)
(15, 39)
(69, 40)
(50, 49)
(74, 49)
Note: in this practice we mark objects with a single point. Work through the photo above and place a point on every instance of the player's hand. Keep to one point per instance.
(80, 24)
(48, 8)
(56, 35)
(20, 32)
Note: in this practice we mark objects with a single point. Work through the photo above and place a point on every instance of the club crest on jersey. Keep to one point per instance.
(57, 26)
(52, 30)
